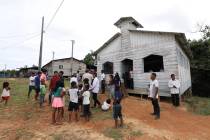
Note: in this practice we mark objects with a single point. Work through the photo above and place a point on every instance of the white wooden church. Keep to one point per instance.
(143, 52)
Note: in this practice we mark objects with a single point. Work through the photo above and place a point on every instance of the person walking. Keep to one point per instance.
(31, 84)
(153, 95)
(174, 86)
(37, 84)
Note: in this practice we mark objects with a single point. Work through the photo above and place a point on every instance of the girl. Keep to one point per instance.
(111, 87)
(117, 83)
(106, 105)
(5, 93)
(73, 104)
(86, 102)
(57, 103)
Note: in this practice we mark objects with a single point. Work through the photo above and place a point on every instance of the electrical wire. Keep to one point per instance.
(53, 17)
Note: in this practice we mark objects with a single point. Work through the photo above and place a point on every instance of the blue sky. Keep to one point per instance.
(88, 22)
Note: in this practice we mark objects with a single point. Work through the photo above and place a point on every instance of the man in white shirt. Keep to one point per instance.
(174, 86)
(153, 95)
(74, 79)
(95, 90)
(102, 82)
(88, 76)
(31, 83)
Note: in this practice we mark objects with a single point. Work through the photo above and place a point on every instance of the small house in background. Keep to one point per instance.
(140, 52)
(67, 65)
(26, 72)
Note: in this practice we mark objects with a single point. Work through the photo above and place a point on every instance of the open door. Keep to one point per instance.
(127, 72)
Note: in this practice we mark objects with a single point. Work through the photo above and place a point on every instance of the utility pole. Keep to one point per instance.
(41, 45)
(72, 52)
(53, 55)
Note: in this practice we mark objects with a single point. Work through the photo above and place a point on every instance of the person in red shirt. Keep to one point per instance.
(52, 85)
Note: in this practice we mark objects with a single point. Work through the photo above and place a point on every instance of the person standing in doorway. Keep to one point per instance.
(153, 94)
(31, 84)
(52, 85)
(131, 78)
(102, 82)
(95, 90)
(174, 86)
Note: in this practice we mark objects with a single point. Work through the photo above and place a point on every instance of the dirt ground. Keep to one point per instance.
(31, 122)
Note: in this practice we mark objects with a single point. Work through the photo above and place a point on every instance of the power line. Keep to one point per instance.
(17, 36)
(21, 43)
(51, 20)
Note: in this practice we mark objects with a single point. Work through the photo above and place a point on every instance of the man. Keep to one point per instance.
(52, 85)
(102, 82)
(61, 78)
(74, 79)
(153, 95)
(88, 76)
(43, 76)
(95, 90)
(37, 84)
(174, 86)
(31, 83)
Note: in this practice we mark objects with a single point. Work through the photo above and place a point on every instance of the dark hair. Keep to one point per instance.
(117, 77)
(73, 84)
(32, 73)
(154, 74)
(116, 101)
(86, 87)
(86, 71)
(55, 72)
(80, 86)
(108, 101)
(5, 85)
(39, 72)
(86, 81)
(57, 85)
(172, 75)
(44, 70)
(61, 72)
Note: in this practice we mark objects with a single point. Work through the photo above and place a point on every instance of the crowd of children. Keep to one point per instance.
(81, 94)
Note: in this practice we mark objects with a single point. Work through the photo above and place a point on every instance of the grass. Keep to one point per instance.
(100, 115)
(136, 133)
(198, 105)
(116, 134)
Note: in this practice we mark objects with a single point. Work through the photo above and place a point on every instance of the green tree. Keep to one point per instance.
(89, 59)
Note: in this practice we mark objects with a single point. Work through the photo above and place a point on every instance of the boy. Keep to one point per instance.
(153, 95)
(117, 113)
(73, 104)
(42, 93)
(106, 105)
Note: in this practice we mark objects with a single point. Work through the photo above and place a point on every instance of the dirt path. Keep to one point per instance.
(175, 123)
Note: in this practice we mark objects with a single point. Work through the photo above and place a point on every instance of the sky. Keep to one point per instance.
(88, 22)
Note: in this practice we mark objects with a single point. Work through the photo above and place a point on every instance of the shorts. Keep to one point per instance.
(73, 106)
(5, 97)
(86, 109)
(117, 115)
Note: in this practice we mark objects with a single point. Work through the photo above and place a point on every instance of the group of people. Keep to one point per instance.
(83, 93)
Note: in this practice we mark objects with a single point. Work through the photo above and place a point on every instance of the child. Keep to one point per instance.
(80, 90)
(73, 104)
(106, 105)
(5, 93)
(86, 102)
(117, 108)
(57, 103)
(42, 92)
(118, 94)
